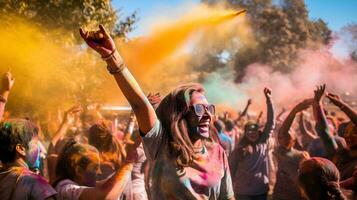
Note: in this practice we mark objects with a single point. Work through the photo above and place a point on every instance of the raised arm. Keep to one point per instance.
(337, 101)
(303, 129)
(68, 119)
(285, 127)
(102, 43)
(5, 88)
(321, 122)
(245, 111)
(270, 123)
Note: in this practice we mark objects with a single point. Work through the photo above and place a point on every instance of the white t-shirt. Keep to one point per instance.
(69, 190)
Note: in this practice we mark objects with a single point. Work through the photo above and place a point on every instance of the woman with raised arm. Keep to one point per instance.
(288, 158)
(190, 163)
(347, 160)
(249, 160)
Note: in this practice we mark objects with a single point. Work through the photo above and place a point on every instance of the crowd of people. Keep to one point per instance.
(178, 147)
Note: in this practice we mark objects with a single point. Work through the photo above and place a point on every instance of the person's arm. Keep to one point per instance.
(303, 129)
(68, 118)
(285, 127)
(337, 101)
(270, 123)
(245, 111)
(321, 127)
(102, 43)
(5, 88)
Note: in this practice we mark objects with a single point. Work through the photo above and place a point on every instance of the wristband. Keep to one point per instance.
(116, 70)
(109, 56)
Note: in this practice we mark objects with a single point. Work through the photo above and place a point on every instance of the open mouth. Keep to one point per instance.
(203, 126)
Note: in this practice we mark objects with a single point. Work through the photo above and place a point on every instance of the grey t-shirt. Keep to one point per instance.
(208, 177)
(21, 183)
(251, 169)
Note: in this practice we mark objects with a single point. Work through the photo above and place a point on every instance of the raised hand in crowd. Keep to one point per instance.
(322, 127)
(7, 83)
(348, 110)
(102, 43)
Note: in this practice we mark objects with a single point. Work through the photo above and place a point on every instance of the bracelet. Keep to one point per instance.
(2, 99)
(116, 70)
(110, 55)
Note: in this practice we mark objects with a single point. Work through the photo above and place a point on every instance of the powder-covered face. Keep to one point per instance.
(88, 176)
(33, 154)
(200, 126)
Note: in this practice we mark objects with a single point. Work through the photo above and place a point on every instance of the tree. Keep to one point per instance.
(351, 31)
(280, 31)
(73, 77)
(69, 15)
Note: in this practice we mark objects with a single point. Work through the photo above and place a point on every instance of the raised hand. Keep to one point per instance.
(335, 99)
(249, 102)
(267, 93)
(69, 115)
(7, 82)
(319, 92)
(99, 40)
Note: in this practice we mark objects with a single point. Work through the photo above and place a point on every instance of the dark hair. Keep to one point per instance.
(73, 155)
(101, 137)
(229, 124)
(171, 113)
(319, 178)
(219, 125)
(13, 132)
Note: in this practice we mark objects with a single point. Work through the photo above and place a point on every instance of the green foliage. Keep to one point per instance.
(280, 31)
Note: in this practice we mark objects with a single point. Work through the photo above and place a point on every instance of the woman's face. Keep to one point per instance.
(252, 133)
(199, 125)
(88, 176)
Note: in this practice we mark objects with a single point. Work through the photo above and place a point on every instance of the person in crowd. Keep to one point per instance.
(59, 140)
(78, 167)
(318, 179)
(110, 150)
(346, 160)
(189, 161)
(227, 142)
(328, 142)
(288, 158)
(249, 160)
(19, 152)
(7, 82)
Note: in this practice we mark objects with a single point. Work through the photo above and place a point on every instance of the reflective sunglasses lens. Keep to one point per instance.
(199, 109)
(212, 109)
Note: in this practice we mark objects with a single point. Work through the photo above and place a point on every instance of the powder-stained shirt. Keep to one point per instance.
(69, 190)
(21, 183)
(207, 178)
(288, 164)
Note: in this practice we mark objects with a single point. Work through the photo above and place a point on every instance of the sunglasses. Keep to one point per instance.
(200, 109)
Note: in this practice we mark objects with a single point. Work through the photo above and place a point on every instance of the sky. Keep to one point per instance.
(337, 13)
